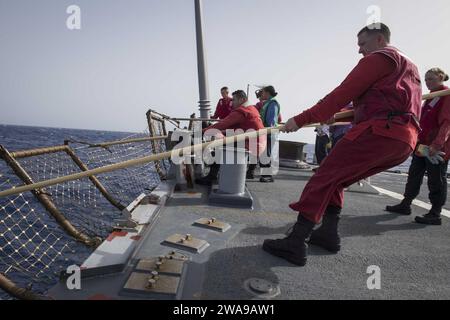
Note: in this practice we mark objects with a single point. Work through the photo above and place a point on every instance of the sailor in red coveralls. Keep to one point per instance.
(386, 92)
(435, 136)
(224, 106)
(244, 116)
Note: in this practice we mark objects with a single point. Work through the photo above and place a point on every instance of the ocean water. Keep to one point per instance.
(16, 138)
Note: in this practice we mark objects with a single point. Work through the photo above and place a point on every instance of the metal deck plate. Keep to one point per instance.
(173, 255)
(186, 242)
(187, 195)
(139, 283)
(212, 224)
(162, 265)
(244, 201)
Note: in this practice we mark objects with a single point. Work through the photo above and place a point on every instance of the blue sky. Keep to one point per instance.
(135, 54)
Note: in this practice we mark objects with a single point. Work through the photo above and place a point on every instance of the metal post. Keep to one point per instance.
(191, 122)
(205, 103)
(155, 150)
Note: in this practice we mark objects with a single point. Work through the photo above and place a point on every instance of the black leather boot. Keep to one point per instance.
(404, 208)
(327, 235)
(211, 177)
(251, 172)
(293, 248)
(432, 218)
(266, 179)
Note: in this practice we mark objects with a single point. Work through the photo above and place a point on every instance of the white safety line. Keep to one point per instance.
(417, 203)
(405, 175)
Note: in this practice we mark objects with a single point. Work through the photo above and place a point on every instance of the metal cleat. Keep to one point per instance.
(186, 242)
(212, 224)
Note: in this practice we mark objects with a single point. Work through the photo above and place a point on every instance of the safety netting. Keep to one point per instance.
(34, 248)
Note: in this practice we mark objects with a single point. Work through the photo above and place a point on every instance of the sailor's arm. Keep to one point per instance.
(229, 122)
(368, 71)
(216, 113)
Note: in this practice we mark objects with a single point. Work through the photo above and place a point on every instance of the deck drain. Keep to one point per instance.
(262, 288)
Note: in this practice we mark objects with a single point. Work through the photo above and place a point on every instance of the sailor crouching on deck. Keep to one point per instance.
(386, 92)
(244, 116)
(435, 138)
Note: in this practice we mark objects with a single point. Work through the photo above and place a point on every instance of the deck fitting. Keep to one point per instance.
(262, 288)
(212, 224)
(221, 199)
(187, 242)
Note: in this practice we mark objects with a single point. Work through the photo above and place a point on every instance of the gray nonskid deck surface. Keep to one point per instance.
(414, 259)
(397, 182)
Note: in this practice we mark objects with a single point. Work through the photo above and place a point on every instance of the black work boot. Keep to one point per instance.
(403, 208)
(293, 248)
(327, 236)
(211, 177)
(266, 179)
(432, 218)
(251, 172)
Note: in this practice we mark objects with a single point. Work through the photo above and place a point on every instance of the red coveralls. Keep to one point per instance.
(223, 109)
(382, 82)
(245, 118)
(435, 123)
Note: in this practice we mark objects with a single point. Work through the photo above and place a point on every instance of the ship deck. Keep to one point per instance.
(413, 259)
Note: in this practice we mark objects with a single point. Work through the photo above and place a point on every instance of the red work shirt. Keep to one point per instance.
(246, 117)
(223, 109)
(441, 141)
(259, 105)
(369, 70)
